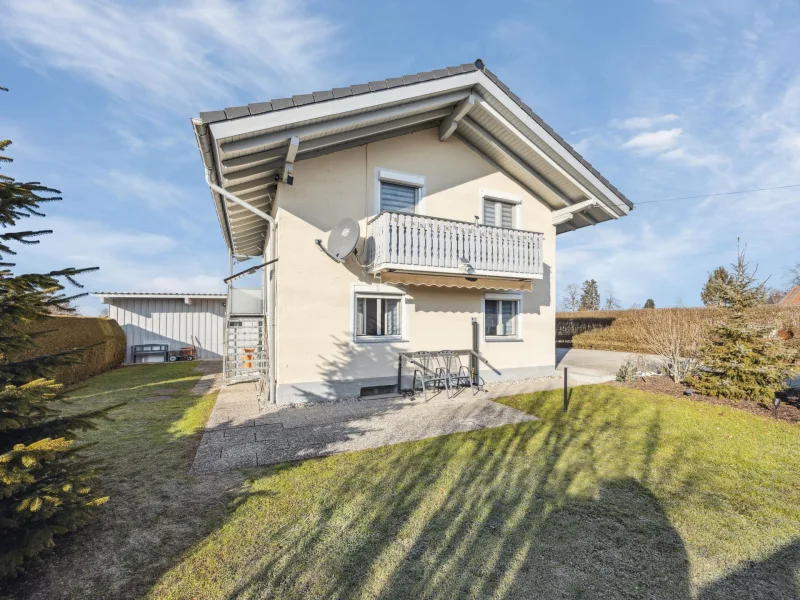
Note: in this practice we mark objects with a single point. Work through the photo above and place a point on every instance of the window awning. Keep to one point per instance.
(450, 281)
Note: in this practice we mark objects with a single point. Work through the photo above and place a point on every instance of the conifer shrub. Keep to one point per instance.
(744, 359)
(46, 483)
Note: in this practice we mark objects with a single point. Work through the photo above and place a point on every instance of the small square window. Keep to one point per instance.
(501, 318)
(378, 317)
(497, 213)
(398, 198)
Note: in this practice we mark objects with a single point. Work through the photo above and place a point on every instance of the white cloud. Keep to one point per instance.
(175, 55)
(129, 260)
(689, 159)
(644, 122)
(654, 142)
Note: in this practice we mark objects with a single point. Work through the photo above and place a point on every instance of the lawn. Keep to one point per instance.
(629, 494)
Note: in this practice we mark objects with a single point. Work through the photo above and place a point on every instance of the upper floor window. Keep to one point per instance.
(500, 209)
(399, 192)
(498, 213)
(398, 198)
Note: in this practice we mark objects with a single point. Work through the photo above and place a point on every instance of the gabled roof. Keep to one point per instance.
(245, 147)
(792, 298)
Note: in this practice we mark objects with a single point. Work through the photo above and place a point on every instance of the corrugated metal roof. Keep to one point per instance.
(237, 112)
(160, 294)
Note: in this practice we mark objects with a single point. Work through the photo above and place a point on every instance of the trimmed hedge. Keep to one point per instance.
(615, 329)
(67, 333)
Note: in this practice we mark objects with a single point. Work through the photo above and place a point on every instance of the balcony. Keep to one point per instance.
(427, 245)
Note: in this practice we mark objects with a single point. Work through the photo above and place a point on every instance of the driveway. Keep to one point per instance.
(593, 366)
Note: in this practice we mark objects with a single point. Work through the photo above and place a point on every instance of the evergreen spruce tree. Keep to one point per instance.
(45, 481)
(590, 296)
(712, 293)
(649, 303)
(743, 359)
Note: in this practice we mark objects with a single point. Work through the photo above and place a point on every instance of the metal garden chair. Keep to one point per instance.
(432, 375)
(459, 375)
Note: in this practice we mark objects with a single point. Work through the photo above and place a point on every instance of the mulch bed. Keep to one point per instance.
(789, 409)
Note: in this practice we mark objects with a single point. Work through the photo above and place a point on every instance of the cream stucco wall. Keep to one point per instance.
(316, 354)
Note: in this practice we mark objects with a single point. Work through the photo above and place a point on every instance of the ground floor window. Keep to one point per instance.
(501, 316)
(377, 317)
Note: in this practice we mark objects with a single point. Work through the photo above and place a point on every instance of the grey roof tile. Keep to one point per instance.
(302, 99)
(281, 103)
(375, 86)
(322, 96)
(342, 92)
(237, 111)
(260, 107)
(491, 75)
(212, 116)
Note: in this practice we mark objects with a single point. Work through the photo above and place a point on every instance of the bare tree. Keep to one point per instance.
(794, 274)
(674, 339)
(611, 302)
(572, 297)
(774, 295)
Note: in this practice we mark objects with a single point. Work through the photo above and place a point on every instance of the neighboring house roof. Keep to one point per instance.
(242, 145)
(792, 298)
(198, 296)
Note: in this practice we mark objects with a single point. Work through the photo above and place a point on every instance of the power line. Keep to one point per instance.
(779, 187)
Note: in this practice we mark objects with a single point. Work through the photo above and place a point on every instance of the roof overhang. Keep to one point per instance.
(187, 298)
(248, 152)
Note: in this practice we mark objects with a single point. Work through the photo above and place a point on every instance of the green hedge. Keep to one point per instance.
(615, 329)
(66, 333)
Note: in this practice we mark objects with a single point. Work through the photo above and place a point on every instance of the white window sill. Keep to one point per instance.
(502, 338)
(379, 339)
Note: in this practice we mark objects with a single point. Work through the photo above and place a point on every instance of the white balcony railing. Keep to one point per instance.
(404, 242)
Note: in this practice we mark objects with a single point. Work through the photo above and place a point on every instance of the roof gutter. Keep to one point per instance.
(271, 277)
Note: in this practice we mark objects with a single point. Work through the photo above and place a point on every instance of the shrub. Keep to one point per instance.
(744, 359)
(674, 340)
(103, 339)
(629, 371)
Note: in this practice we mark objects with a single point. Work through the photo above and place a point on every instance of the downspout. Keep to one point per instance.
(271, 227)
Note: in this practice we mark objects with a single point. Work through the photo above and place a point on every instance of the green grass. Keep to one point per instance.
(629, 494)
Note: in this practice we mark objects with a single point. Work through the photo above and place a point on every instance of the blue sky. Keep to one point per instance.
(666, 98)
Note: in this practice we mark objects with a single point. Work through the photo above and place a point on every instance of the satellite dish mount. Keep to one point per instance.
(341, 241)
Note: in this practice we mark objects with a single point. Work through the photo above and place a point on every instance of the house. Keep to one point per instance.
(792, 297)
(177, 320)
(458, 189)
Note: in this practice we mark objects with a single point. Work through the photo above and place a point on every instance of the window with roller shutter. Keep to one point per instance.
(497, 213)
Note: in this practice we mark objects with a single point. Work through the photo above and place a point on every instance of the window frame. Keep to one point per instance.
(379, 291)
(407, 179)
(503, 297)
(498, 196)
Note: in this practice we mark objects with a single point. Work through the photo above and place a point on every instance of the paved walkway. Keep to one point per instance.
(238, 435)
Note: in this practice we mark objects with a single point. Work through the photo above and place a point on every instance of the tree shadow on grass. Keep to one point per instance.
(517, 511)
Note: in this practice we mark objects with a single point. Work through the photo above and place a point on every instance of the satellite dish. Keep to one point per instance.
(342, 240)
